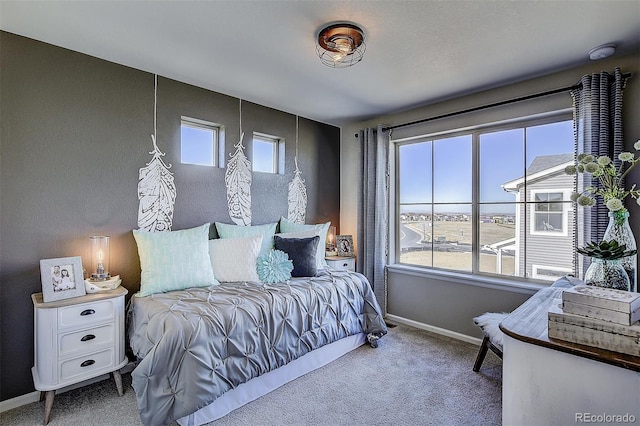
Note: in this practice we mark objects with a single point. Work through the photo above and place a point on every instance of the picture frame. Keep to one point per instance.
(62, 278)
(344, 244)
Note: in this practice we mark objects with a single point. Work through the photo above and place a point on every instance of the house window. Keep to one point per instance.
(550, 273)
(268, 154)
(487, 201)
(200, 142)
(549, 212)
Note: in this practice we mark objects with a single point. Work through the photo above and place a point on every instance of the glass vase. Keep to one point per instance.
(607, 273)
(619, 230)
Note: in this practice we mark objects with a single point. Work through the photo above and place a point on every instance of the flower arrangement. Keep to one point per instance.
(610, 177)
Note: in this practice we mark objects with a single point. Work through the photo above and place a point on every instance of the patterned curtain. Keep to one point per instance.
(597, 106)
(373, 210)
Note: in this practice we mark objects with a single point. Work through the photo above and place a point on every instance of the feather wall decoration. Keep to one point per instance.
(297, 192)
(157, 193)
(238, 181)
(297, 198)
(156, 187)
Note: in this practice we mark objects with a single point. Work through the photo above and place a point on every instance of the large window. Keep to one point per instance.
(488, 201)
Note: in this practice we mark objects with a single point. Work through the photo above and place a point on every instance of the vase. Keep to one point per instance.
(619, 230)
(607, 273)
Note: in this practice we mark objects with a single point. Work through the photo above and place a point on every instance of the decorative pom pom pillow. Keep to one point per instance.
(286, 226)
(174, 260)
(302, 251)
(234, 259)
(274, 267)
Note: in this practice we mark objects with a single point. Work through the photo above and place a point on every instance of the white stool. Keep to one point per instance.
(489, 323)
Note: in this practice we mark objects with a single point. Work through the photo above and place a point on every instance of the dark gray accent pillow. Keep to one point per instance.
(302, 251)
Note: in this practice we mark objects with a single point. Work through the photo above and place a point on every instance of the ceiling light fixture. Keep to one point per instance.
(602, 52)
(340, 45)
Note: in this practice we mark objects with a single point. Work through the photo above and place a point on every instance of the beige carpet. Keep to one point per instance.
(413, 378)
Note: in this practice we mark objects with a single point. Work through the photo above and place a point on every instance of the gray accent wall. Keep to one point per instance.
(75, 130)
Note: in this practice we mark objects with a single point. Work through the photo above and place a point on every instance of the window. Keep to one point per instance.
(268, 154)
(487, 201)
(200, 142)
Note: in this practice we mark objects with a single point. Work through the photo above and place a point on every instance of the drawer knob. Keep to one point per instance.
(87, 363)
(87, 312)
(88, 337)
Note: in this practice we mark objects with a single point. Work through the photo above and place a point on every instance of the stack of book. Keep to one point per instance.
(595, 316)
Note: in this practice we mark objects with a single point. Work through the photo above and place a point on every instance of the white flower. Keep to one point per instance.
(585, 201)
(614, 204)
(574, 196)
(570, 169)
(591, 168)
(604, 160)
(625, 156)
(588, 158)
(637, 145)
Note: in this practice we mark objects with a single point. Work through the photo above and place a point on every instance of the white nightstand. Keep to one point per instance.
(341, 262)
(77, 339)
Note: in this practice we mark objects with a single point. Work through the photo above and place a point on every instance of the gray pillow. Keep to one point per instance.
(302, 252)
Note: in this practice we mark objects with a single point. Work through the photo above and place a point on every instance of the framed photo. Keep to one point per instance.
(345, 245)
(62, 278)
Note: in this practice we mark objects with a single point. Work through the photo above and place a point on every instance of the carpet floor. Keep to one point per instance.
(414, 377)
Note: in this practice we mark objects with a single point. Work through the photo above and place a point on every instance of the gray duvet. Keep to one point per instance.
(196, 344)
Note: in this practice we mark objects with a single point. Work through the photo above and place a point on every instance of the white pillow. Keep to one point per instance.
(310, 233)
(235, 259)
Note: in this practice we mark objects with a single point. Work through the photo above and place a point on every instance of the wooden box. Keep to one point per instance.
(593, 332)
(621, 307)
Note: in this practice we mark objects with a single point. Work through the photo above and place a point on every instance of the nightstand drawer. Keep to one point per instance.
(86, 365)
(86, 340)
(342, 263)
(86, 314)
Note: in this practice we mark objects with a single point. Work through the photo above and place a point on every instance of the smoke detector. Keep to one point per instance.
(602, 52)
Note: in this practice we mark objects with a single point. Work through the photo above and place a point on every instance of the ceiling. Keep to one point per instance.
(417, 52)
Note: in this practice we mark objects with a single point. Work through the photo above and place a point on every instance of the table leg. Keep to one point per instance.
(48, 405)
(118, 379)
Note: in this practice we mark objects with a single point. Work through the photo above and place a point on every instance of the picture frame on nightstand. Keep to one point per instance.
(62, 278)
(344, 243)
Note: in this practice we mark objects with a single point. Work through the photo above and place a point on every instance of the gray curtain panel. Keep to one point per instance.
(373, 210)
(597, 108)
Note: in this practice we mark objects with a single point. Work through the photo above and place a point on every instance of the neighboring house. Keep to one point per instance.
(544, 224)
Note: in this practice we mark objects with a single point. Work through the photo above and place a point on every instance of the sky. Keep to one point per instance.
(502, 158)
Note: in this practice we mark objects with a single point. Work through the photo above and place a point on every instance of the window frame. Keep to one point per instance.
(218, 140)
(278, 150)
(566, 207)
(484, 278)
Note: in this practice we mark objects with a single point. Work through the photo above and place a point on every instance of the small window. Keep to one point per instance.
(549, 213)
(549, 273)
(199, 142)
(268, 154)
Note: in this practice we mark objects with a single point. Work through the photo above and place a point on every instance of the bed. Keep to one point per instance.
(204, 351)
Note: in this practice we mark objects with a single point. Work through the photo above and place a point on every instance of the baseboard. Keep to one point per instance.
(28, 398)
(434, 329)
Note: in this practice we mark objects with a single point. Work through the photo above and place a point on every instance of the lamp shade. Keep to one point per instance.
(99, 257)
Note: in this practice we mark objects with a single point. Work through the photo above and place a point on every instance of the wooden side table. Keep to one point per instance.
(77, 339)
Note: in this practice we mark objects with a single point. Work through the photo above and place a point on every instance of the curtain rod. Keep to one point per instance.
(493, 105)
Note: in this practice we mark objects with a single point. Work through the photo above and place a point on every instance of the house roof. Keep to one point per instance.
(417, 52)
(541, 167)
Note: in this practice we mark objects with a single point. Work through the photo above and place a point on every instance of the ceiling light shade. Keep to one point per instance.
(340, 45)
(602, 52)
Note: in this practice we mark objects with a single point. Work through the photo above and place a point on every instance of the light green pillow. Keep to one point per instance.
(286, 226)
(267, 231)
(174, 260)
